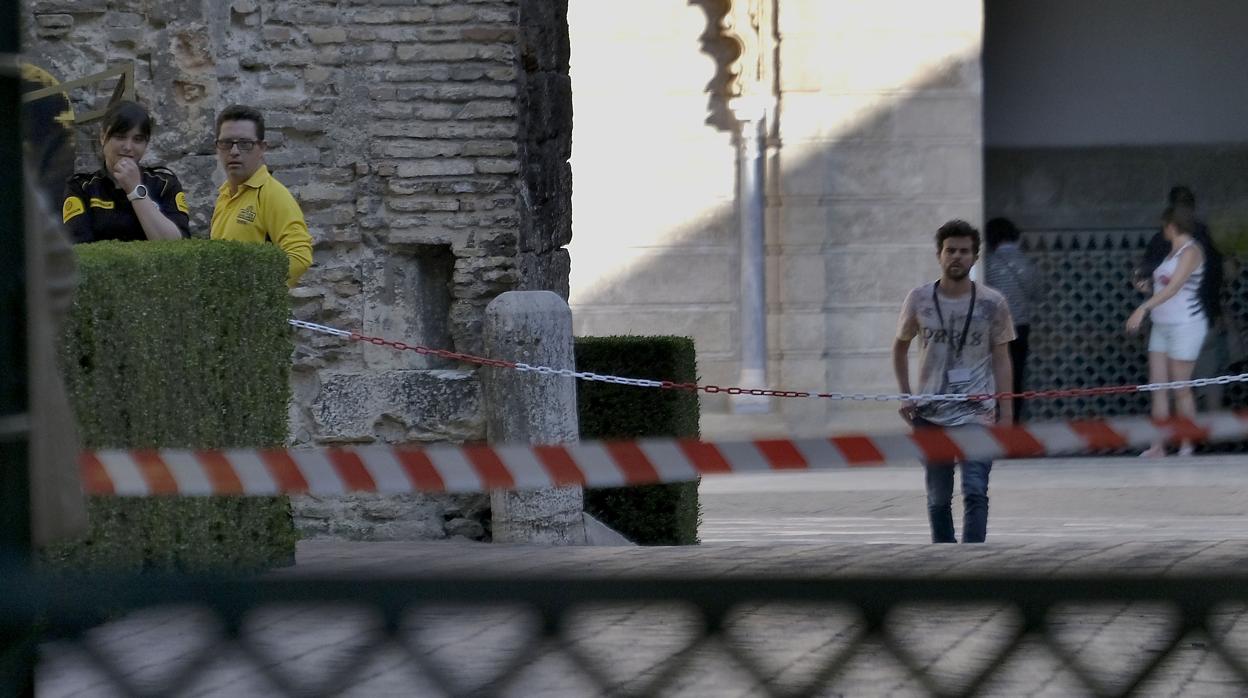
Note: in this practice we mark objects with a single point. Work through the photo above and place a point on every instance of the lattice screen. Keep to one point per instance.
(1077, 337)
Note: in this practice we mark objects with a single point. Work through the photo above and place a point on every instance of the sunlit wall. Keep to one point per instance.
(881, 134)
(654, 241)
(878, 141)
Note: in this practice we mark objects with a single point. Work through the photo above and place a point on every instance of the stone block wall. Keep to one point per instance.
(427, 142)
(882, 137)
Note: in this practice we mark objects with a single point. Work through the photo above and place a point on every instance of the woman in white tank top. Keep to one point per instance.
(1179, 320)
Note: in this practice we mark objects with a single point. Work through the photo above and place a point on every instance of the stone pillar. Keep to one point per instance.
(750, 115)
(534, 327)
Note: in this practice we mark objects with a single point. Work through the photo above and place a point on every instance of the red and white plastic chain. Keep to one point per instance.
(764, 392)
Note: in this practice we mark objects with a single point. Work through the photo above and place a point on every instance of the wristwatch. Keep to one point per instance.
(140, 192)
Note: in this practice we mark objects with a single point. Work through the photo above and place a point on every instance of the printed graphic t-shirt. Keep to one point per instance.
(990, 325)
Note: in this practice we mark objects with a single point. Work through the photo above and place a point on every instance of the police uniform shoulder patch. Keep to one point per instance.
(73, 208)
(180, 201)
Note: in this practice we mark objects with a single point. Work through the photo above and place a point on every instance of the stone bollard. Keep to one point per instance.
(534, 327)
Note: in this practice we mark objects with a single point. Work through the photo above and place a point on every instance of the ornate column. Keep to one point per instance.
(752, 103)
(751, 200)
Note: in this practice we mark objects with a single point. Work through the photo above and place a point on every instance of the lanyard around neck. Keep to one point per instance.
(966, 329)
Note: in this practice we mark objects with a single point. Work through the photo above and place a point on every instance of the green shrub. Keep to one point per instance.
(180, 344)
(651, 514)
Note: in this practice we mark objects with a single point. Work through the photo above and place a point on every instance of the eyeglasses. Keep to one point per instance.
(244, 144)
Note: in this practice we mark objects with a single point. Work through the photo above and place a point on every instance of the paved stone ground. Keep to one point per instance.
(1130, 499)
(628, 645)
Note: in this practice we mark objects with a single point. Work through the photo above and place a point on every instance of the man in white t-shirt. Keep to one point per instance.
(964, 331)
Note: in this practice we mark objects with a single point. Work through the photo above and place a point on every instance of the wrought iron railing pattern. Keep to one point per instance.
(1077, 335)
(771, 636)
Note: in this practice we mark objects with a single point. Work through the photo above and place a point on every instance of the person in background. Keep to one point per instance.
(1186, 292)
(1159, 247)
(252, 206)
(125, 200)
(1215, 355)
(1011, 273)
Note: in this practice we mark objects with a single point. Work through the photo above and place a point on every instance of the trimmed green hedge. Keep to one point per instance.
(651, 514)
(180, 344)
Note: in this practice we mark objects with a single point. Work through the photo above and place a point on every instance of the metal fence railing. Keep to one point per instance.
(773, 636)
(1077, 334)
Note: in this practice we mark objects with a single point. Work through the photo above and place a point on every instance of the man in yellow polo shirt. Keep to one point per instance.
(252, 206)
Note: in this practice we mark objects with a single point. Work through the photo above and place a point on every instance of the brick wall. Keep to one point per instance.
(427, 142)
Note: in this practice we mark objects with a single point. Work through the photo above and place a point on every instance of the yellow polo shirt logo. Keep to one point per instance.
(73, 207)
(247, 215)
(180, 200)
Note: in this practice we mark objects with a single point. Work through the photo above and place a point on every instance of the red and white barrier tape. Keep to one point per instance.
(405, 469)
(767, 392)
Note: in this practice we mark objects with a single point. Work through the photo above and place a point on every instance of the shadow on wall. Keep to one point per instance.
(856, 184)
(723, 51)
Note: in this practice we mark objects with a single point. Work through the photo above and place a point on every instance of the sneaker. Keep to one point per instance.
(1154, 452)
(1187, 451)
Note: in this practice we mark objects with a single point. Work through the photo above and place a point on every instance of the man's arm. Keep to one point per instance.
(907, 330)
(285, 227)
(1032, 288)
(901, 364)
(901, 369)
(1003, 376)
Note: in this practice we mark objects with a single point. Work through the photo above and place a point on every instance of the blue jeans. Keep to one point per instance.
(974, 498)
(974, 501)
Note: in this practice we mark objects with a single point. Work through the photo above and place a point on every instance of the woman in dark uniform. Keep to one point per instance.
(123, 200)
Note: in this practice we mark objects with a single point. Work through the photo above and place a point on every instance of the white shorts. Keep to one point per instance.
(1178, 340)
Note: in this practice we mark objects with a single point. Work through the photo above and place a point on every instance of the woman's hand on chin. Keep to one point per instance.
(126, 173)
